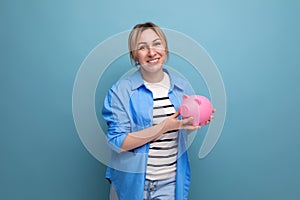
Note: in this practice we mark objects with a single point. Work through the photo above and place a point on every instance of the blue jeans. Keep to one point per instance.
(160, 190)
(154, 190)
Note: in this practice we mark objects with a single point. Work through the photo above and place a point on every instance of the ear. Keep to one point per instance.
(185, 96)
(198, 101)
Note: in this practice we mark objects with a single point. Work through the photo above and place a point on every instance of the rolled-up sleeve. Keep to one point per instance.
(117, 119)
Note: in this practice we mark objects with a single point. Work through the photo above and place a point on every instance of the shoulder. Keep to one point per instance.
(130, 82)
(180, 82)
(176, 77)
(127, 84)
(179, 79)
(121, 89)
(122, 84)
(118, 94)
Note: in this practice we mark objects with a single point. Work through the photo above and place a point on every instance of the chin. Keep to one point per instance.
(152, 68)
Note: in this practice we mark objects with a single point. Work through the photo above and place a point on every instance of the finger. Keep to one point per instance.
(212, 117)
(187, 121)
(214, 110)
(175, 115)
(191, 127)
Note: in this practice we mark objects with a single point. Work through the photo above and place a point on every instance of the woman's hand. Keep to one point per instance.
(139, 138)
(211, 117)
(172, 123)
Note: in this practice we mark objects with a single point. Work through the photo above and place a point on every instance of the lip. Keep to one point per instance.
(154, 59)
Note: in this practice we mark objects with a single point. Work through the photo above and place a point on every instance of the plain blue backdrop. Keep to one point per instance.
(255, 45)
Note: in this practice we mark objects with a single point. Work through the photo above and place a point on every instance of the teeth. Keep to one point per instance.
(152, 61)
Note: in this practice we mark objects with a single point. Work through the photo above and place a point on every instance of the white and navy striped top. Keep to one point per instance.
(162, 156)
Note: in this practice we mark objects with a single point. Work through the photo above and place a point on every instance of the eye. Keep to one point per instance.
(142, 47)
(157, 44)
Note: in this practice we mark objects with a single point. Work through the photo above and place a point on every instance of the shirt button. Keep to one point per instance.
(151, 187)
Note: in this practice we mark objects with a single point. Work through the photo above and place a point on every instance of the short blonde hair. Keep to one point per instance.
(135, 34)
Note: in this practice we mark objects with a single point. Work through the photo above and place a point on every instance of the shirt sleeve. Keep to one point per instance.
(117, 119)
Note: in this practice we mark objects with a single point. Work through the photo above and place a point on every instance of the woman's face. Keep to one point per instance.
(151, 53)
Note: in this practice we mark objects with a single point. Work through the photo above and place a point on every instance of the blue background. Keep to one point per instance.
(255, 45)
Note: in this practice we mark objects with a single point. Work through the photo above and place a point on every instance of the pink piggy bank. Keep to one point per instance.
(198, 107)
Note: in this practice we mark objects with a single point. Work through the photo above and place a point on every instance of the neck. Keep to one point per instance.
(153, 77)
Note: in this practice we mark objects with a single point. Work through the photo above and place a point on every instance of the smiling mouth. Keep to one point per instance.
(154, 61)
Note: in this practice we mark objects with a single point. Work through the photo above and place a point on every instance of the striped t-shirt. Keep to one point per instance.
(162, 156)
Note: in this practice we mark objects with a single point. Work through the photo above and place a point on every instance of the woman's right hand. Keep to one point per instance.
(173, 123)
(139, 138)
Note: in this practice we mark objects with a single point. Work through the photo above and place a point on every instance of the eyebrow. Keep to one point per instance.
(146, 42)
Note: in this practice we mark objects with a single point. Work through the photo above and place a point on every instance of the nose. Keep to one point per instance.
(151, 52)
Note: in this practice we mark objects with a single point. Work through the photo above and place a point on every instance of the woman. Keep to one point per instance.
(149, 158)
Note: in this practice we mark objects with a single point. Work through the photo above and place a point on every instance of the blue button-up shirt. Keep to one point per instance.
(128, 108)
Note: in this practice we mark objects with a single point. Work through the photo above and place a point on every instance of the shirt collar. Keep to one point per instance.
(137, 80)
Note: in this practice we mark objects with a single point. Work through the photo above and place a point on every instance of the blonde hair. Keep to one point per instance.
(135, 34)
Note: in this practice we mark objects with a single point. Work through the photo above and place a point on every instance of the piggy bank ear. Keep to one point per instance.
(198, 101)
(185, 96)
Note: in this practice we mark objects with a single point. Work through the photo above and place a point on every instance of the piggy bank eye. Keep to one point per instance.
(184, 109)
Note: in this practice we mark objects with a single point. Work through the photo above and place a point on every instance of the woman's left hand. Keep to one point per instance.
(211, 117)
